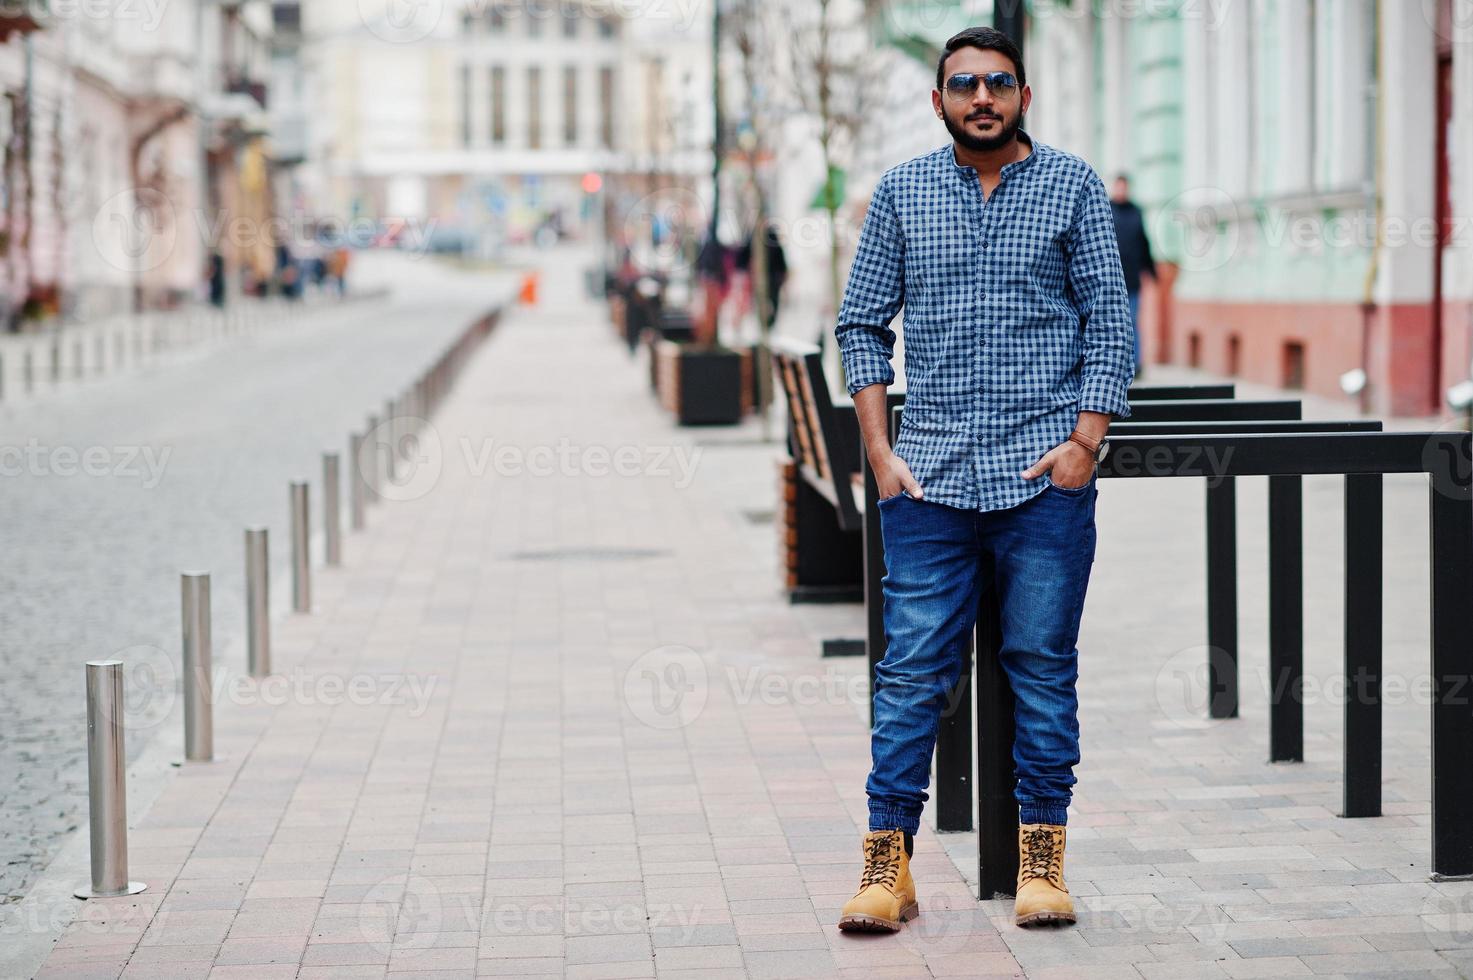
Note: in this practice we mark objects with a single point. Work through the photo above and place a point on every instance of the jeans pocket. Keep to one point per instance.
(1074, 491)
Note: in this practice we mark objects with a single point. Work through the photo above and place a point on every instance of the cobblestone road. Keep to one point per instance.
(170, 465)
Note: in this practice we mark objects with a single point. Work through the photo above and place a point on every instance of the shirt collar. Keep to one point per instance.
(1017, 166)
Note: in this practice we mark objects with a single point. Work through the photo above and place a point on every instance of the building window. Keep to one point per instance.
(465, 105)
(498, 105)
(570, 105)
(605, 26)
(1294, 365)
(534, 12)
(606, 107)
(496, 19)
(534, 108)
(570, 22)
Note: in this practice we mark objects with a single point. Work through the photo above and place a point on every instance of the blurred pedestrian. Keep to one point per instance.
(1135, 252)
(713, 267)
(215, 275)
(337, 269)
(776, 269)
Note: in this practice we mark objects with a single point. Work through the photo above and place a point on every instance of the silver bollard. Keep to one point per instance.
(107, 788)
(199, 724)
(371, 465)
(301, 555)
(258, 602)
(391, 430)
(332, 508)
(357, 483)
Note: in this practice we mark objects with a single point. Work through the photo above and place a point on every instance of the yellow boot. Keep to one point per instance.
(887, 895)
(1042, 895)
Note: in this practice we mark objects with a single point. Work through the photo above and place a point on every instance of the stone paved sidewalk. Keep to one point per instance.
(553, 717)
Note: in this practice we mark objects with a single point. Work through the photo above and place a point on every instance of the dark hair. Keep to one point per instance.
(988, 39)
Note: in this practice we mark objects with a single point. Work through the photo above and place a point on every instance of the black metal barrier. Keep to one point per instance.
(1170, 407)
(1183, 448)
(1285, 457)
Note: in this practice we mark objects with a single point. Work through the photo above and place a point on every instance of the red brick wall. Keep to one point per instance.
(1398, 356)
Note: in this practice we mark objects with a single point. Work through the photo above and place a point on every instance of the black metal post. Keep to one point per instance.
(954, 752)
(1009, 17)
(1222, 597)
(1286, 618)
(1362, 782)
(997, 806)
(1452, 662)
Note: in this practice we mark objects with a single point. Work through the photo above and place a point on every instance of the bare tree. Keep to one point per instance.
(760, 115)
(835, 80)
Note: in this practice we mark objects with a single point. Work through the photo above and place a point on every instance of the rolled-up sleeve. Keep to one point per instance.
(873, 296)
(1098, 287)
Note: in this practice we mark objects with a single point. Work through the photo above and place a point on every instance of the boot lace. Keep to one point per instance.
(881, 862)
(1040, 858)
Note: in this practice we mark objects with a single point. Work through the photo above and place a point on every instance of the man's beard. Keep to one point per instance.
(984, 144)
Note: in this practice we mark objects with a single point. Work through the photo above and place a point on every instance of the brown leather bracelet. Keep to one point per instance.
(1083, 440)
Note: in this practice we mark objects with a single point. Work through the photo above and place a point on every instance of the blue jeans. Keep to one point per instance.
(938, 561)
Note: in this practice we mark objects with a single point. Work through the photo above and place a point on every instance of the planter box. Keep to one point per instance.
(700, 385)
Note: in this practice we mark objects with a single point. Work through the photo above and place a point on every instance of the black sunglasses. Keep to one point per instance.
(1000, 84)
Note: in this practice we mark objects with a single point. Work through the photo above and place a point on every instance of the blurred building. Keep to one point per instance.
(1304, 165)
(135, 142)
(482, 120)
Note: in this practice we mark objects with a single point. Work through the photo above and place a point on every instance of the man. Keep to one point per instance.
(1018, 352)
(1135, 253)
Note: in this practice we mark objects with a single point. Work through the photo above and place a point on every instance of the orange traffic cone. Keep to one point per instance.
(528, 295)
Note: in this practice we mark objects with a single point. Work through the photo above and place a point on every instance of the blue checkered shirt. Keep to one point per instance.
(1016, 317)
